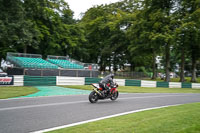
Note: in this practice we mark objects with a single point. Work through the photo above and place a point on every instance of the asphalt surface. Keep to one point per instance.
(32, 114)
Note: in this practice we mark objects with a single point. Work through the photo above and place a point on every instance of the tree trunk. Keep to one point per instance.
(193, 79)
(1, 60)
(109, 64)
(154, 65)
(132, 67)
(167, 56)
(25, 48)
(101, 65)
(182, 76)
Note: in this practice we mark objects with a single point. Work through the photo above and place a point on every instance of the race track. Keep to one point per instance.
(32, 114)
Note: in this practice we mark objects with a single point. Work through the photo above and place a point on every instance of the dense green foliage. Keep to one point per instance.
(42, 27)
(131, 32)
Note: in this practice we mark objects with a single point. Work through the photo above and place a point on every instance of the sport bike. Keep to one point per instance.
(100, 93)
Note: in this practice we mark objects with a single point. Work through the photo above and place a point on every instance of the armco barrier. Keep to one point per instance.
(18, 80)
(145, 83)
(89, 81)
(174, 85)
(129, 82)
(61, 80)
(195, 85)
(162, 84)
(120, 82)
(186, 85)
(39, 81)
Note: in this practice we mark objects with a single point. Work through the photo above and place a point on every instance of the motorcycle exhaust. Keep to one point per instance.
(97, 91)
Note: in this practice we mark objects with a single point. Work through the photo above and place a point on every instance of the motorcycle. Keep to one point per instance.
(99, 93)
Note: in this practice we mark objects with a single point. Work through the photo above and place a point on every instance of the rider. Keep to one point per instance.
(104, 82)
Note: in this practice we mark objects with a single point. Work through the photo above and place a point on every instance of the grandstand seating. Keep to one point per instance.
(35, 61)
(26, 62)
(65, 64)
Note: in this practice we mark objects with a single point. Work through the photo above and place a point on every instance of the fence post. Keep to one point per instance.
(24, 71)
(76, 73)
(90, 73)
(41, 72)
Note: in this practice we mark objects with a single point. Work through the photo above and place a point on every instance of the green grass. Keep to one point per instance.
(133, 89)
(176, 119)
(15, 91)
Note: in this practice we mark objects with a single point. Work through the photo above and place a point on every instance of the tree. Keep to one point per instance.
(151, 31)
(106, 27)
(10, 21)
(58, 33)
(188, 34)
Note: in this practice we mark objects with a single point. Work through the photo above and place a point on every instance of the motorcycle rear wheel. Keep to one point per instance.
(114, 95)
(93, 97)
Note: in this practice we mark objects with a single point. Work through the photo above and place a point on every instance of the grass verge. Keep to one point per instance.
(176, 119)
(133, 89)
(15, 91)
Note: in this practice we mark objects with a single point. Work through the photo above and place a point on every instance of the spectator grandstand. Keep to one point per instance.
(65, 64)
(34, 65)
(35, 61)
(29, 61)
(69, 63)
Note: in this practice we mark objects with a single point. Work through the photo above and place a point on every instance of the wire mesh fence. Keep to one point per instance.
(128, 75)
(53, 72)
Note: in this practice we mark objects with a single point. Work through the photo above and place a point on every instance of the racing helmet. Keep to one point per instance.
(112, 75)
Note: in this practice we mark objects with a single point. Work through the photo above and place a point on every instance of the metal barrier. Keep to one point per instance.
(38, 80)
(10, 54)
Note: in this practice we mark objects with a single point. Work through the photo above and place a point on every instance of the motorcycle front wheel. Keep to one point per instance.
(93, 97)
(114, 95)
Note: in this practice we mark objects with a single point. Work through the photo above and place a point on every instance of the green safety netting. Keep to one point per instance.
(65, 64)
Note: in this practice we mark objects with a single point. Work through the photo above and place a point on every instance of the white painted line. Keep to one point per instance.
(101, 118)
(76, 102)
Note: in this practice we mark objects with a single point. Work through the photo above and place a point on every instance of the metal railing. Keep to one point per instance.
(23, 55)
